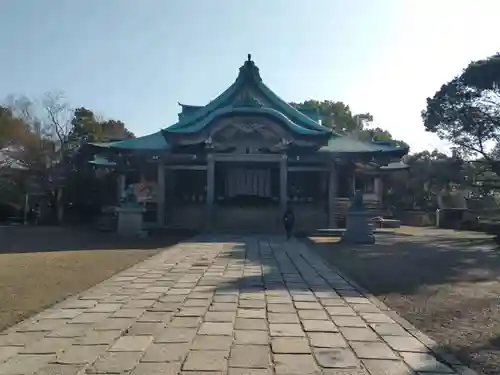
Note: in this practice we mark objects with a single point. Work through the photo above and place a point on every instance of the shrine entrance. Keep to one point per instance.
(246, 184)
(249, 192)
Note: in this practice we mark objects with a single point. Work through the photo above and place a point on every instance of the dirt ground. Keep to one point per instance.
(40, 266)
(445, 285)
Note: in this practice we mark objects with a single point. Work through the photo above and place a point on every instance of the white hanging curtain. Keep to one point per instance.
(241, 181)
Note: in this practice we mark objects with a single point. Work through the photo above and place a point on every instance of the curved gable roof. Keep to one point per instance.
(248, 76)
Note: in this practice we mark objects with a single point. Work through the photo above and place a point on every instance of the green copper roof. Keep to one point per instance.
(102, 161)
(189, 110)
(196, 118)
(395, 166)
(347, 144)
(152, 142)
(196, 126)
(249, 96)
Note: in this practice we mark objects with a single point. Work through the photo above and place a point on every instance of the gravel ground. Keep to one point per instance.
(40, 266)
(445, 285)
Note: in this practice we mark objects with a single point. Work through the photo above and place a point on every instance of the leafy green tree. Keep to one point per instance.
(339, 117)
(466, 112)
(83, 188)
(430, 174)
(86, 127)
(12, 129)
(49, 139)
(115, 130)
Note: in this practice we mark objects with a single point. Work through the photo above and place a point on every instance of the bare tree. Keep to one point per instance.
(58, 116)
(43, 148)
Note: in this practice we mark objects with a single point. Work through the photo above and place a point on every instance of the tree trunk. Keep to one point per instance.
(59, 206)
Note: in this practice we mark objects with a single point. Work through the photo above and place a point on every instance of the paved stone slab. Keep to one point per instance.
(220, 316)
(8, 351)
(251, 337)
(206, 360)
(387, 367)
(25, 364)
(47, 346)
(177, 335)
(319, 326)
(312, 315)
(251, 324)
(243, 371)
(115, 363)
(336, 358)
(326, 340)
(290, 345)
(81, 354)
(283, 318)
(132, 344)
(348, 321)
(250, 356)
(57, 369)
(206, 342)
(373, 350)
(172, 352)
(157, 369)
(99, 337)
(388, 329)
(287, 330)
(341, 311)
(20, 338)
(405, 344)
(295, 364)
(216, 328)
(219, 305)
(359, 334)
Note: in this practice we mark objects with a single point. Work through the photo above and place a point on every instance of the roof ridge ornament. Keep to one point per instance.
(249, 70)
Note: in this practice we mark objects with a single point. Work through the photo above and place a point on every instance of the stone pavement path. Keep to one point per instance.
(218, 305)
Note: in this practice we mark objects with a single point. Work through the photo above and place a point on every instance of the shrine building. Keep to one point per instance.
(235, 162)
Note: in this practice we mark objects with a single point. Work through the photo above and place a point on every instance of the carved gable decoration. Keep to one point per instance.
(246, 134)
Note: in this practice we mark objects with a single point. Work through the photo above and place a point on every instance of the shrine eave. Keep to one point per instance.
(249, 97)
(395, 166)
(202, 123)
(151, 142)
(348, 145)
(102, 161)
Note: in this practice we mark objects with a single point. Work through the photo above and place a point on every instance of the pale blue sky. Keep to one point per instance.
(133, 60)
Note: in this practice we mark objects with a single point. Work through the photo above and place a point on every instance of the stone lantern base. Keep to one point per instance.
(130, 221)
(359, 228)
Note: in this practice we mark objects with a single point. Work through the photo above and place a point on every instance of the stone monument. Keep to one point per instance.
(130, 215)
(452, 208)
(359, 228)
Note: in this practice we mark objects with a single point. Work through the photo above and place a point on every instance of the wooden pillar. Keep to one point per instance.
(332, 196)
(210, 182)
(378, 188)
(160, 194)
(283, 182)
(353, 182)
(120, 187)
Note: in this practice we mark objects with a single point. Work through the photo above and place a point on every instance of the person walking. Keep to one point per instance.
(288, 221)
